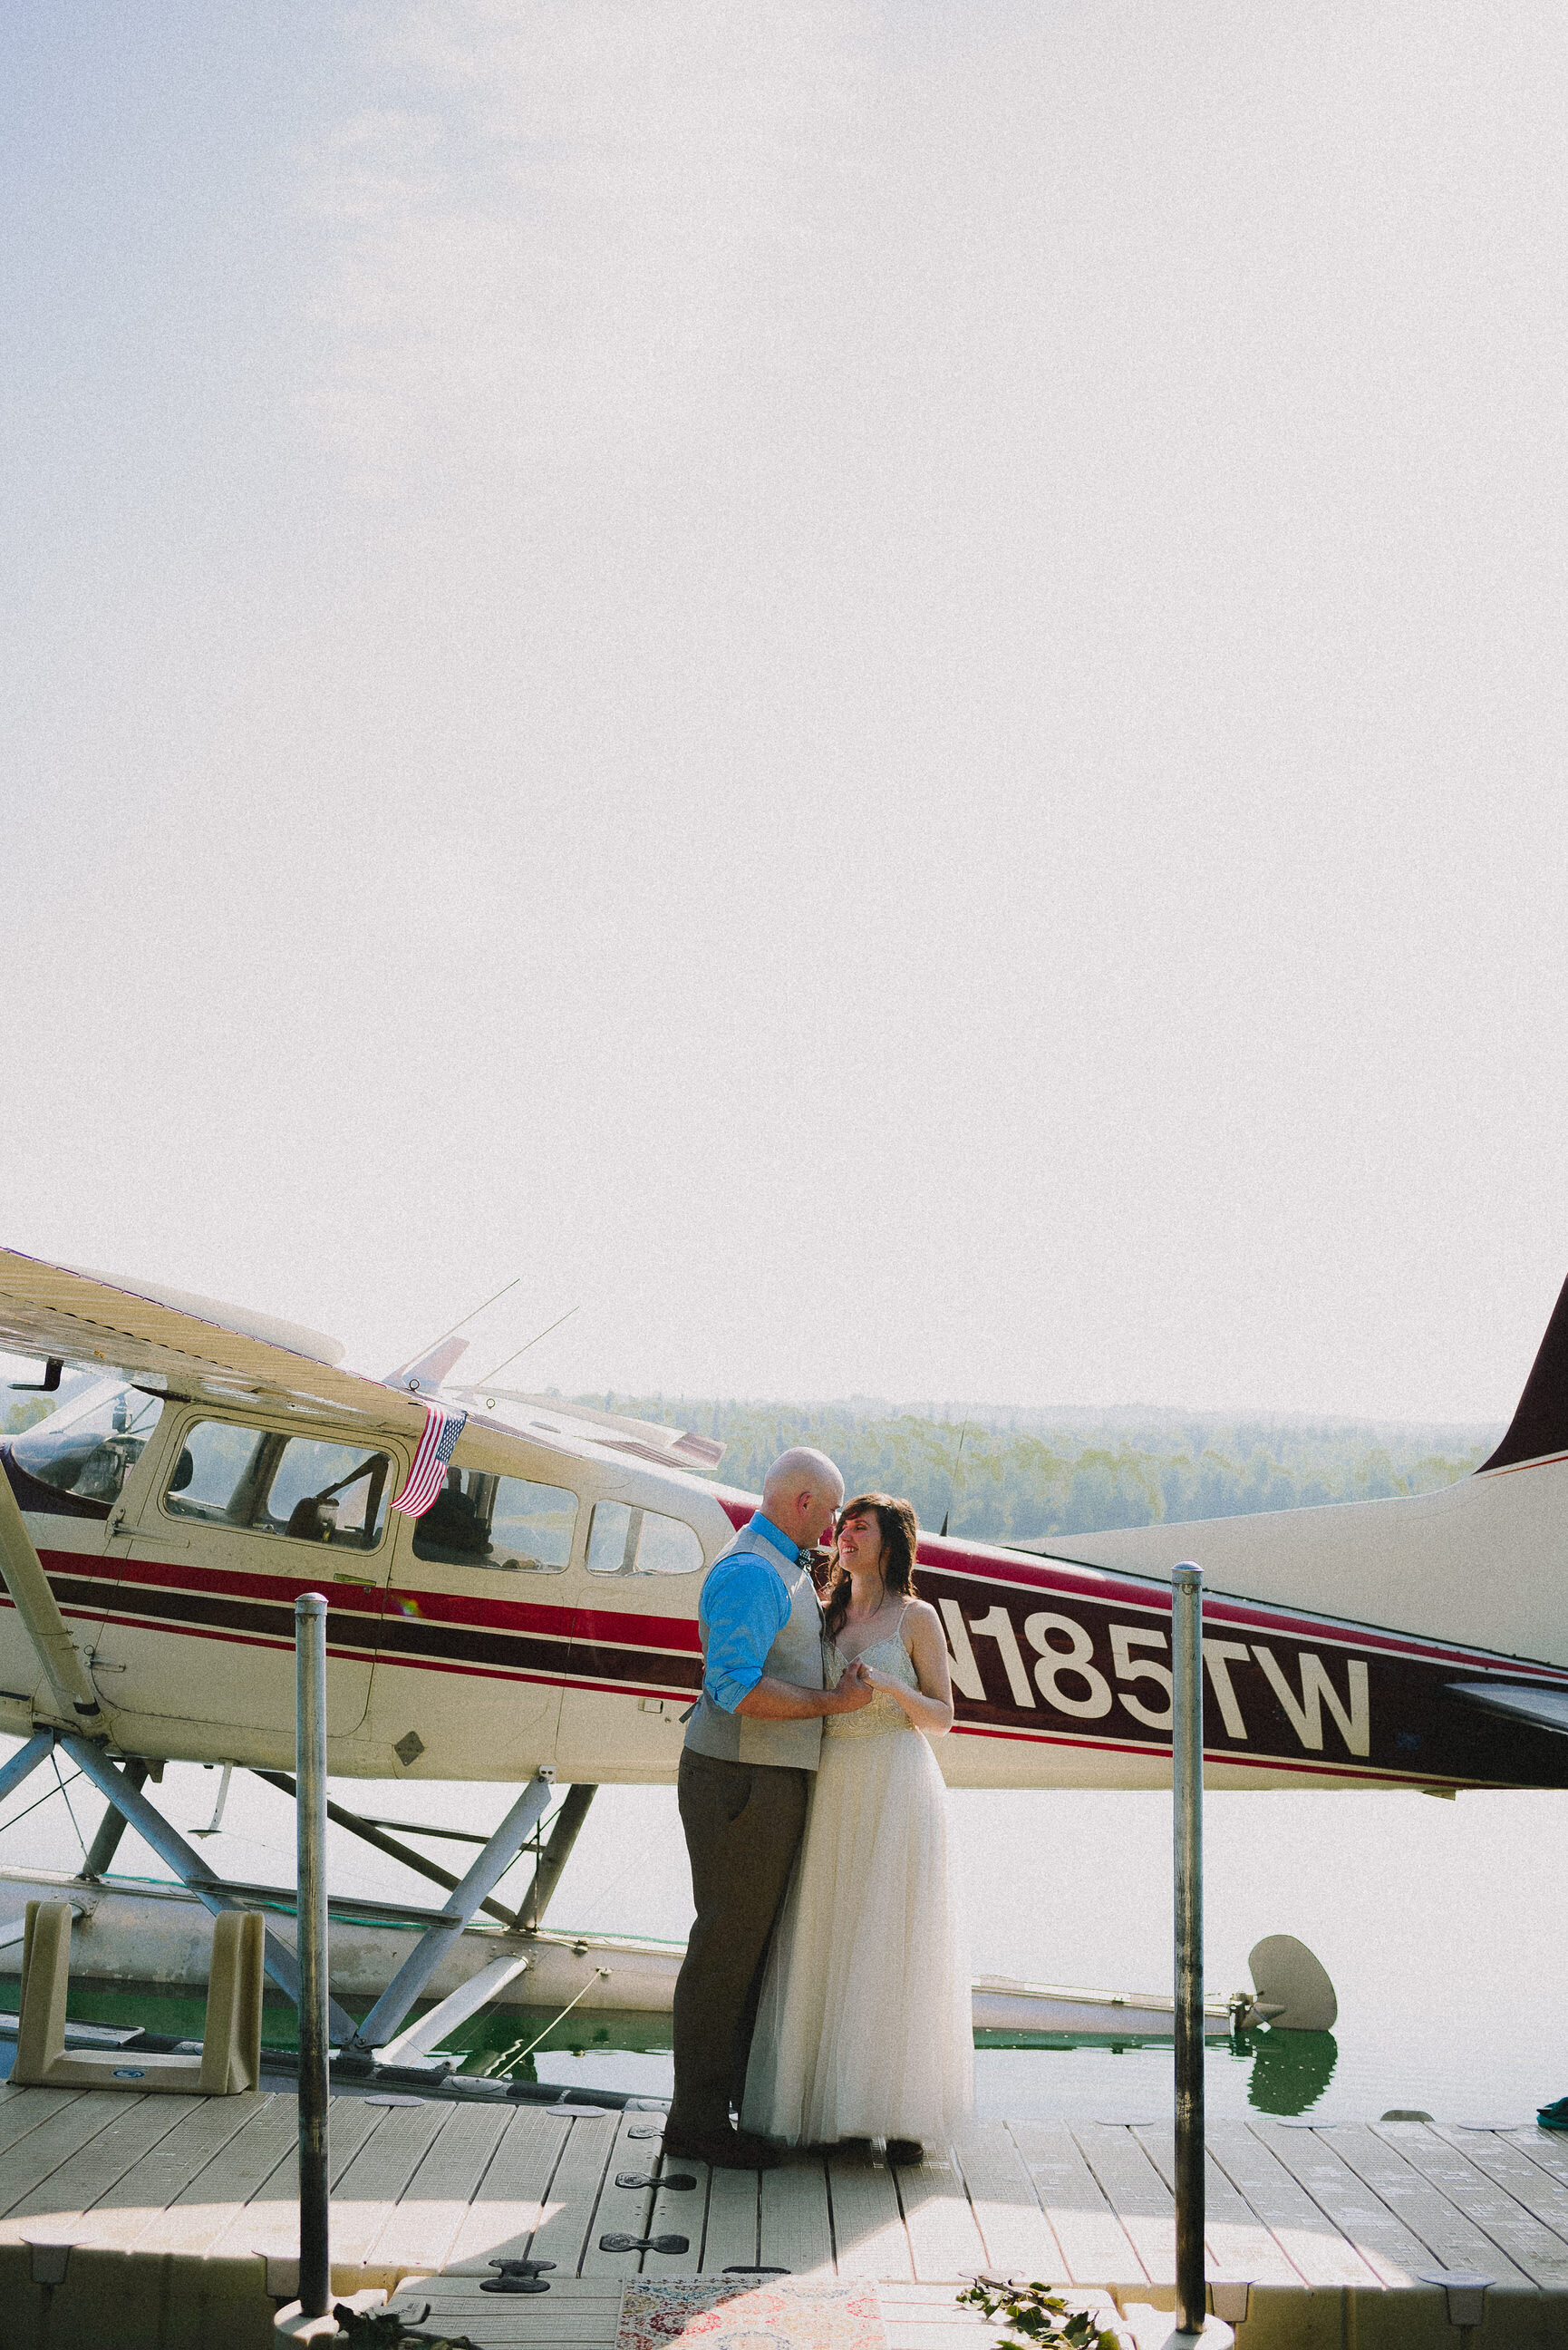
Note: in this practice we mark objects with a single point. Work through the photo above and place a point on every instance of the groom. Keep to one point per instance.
(753, 1735)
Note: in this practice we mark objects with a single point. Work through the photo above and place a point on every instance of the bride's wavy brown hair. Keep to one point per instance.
(901, 1534)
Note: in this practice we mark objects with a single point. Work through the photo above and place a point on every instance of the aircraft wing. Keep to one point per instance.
(208, 1352)
(186, 1345)
(1544, 1708)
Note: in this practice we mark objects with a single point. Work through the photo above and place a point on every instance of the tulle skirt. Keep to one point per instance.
(866, 2023)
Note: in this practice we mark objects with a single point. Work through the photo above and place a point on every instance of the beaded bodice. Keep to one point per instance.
(884, 1713)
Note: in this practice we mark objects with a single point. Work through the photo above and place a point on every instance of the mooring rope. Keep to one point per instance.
(504, 2071)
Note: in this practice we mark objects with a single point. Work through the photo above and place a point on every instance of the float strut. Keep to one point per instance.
(191, 1870)
(372, 1834)
(25, 1762)
(437, 1939)
(112, 1826)
(557, 1851)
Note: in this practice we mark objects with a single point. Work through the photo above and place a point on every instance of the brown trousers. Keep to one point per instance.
(743, 1823)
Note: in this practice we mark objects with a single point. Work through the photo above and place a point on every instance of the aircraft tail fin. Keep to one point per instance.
(1540, 1424)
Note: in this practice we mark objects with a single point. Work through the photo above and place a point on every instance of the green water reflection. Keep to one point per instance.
(1288, 2072)
(1290, 2069)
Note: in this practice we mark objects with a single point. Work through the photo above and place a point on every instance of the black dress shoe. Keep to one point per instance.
(905, 2153)
(726, 2149)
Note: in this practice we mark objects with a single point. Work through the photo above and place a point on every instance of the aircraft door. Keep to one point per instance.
(635, 1663)
(244, 1516)
(73, 1474)
(476, 1627)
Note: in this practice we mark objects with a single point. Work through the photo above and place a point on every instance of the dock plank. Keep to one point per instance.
(377, 2177)
(680, 2215)
(23, 2111)
(1545, 2197)
(562, 2235)
(924, 2316)
(1096, 2247)
(1239, 2243)
(1305, 2234)
(268, 2219)
(730, 2237)
(511, 2201)
(797, 2233)
(576, 2314)
(139, 2200)
(1135, 2191)
(1548, 2149)
(1394, 2171)
(423, 2225)
(34, 2156)
(868, 2232)
(1018, 2237)
(1364, 2219)
(943, 2237)
(627, 2210)
(71, 2190)
(215, 2198)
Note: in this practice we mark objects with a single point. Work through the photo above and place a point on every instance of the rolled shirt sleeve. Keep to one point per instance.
(744, 1606)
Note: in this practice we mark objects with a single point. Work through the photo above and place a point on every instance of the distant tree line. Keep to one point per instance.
(1010, 1476)
(1005, 1475)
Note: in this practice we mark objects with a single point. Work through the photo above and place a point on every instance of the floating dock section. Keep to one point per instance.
(134, 2223)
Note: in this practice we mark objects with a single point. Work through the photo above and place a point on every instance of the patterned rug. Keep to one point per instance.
(749, 2313)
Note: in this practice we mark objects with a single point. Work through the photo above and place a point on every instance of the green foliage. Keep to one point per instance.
(19, 1416)
(1020, 1476)
(1034, 2314)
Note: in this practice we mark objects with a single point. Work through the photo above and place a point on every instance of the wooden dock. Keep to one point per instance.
(172, 2220)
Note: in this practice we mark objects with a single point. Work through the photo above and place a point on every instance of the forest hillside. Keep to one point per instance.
(1007, 1475)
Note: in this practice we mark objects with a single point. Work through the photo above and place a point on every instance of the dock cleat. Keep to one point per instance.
(517, 2276)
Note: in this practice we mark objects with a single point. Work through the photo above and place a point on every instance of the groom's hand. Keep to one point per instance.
(855, 1689)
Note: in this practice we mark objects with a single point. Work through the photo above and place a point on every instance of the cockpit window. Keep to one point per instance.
(627, 1541)
(505, 1522)
(88, 1447)
(259, 1479)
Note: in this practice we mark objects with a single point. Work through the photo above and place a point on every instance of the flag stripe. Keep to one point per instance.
(427, 1473)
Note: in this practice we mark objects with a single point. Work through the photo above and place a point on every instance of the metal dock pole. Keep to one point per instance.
(1187, 1840)
(310, 1769)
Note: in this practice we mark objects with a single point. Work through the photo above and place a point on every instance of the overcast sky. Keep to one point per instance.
(876, 690)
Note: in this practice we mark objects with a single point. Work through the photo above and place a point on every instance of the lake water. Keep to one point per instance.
(1444, 1926)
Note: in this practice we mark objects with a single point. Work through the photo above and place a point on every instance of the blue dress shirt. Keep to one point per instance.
(744, 1606)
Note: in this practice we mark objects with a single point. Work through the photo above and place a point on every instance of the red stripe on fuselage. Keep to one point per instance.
(678, 1634)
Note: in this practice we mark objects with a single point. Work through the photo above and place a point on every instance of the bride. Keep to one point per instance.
(865, 2023)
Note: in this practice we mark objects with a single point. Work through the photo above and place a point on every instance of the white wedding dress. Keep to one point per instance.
(865, 2026)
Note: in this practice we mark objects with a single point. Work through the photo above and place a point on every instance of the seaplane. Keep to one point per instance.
(535, 1625)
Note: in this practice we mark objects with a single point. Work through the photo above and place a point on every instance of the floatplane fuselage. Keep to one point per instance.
(207, 1466)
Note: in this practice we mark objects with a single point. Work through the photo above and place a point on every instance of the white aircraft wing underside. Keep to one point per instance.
(96, 1324)
(229, 1356)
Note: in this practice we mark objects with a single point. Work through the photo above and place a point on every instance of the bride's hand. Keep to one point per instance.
(854, 1690)
(878, 1679)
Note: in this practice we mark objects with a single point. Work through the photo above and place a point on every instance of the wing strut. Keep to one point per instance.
(75, 1696)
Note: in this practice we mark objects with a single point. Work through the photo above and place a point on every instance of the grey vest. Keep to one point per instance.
(795, 1655)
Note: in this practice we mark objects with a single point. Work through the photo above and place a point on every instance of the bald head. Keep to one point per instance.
(800, 1492)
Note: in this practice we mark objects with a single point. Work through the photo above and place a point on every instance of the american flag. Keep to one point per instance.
(436, 1447)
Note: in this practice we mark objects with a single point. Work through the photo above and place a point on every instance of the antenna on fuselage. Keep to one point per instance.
(952, 1475)
(567, 1316)
(429, 1367)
